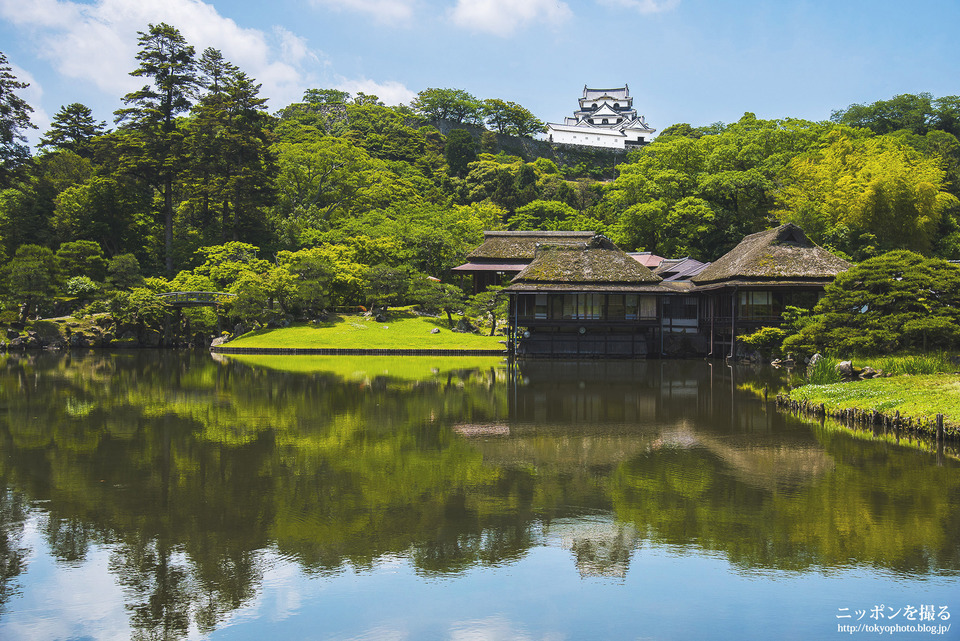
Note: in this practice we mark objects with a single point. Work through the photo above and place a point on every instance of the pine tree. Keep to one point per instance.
(14, 119)
(73, 129)
(153, 149)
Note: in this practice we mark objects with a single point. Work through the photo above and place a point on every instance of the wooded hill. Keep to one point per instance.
(337, 189)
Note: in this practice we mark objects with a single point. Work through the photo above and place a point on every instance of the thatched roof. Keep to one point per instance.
(783, 254)
(522, 245)
(597, 265)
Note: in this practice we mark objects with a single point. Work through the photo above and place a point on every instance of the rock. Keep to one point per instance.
(869, 372)
(239, 329)
(463, 326)
(845, 369)
(105, 339)
(381, 318)
(79, 339)
(104, 321)
(816, 358)
(435, 330)
(219, 341)
(12, 333)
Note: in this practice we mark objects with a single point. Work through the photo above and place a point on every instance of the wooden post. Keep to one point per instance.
(939, 428)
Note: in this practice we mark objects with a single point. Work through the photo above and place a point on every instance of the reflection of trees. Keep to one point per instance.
(895, 511)
(191, 468)
(12, 555)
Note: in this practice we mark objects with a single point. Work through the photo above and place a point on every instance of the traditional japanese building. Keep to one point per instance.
(585, 299)
(606, 118)
(504, 254)
(750, 286)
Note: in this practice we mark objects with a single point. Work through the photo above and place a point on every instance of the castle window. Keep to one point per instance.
(605, 121)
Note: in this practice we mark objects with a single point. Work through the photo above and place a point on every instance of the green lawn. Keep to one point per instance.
(918, 397)
(403, 330)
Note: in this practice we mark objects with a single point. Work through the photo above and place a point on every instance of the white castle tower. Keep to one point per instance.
(606, 118)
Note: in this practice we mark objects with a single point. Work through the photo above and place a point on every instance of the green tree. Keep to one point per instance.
(906, 111)
(150, 119)
(81, 258)
(73, 129)
(460, 149)
(31, 278)
(508, 117)
(109, 210)
(14, 120)
(448, 104)
(227, 142)
(387, 286)
(878, 185)
(491, 304)
(897, 301)
(123, 272)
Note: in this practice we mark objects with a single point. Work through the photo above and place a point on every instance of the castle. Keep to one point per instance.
(606, 118)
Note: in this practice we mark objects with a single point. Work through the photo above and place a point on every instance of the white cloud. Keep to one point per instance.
(504, 17)
(389, 11)
(390, 92)
(643, 6)
(97, 42)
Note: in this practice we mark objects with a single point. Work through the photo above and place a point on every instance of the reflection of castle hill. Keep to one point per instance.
(192, 470)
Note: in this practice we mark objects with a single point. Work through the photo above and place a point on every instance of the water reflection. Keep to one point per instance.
(188, 470)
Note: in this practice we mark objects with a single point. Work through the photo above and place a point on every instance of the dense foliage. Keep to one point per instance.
(337, 191)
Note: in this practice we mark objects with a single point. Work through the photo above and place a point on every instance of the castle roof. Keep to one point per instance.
(621, 93)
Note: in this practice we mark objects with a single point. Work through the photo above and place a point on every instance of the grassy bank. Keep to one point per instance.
(403, 330)
(920, 397)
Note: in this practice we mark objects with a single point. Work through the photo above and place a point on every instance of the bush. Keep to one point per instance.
(81, 287)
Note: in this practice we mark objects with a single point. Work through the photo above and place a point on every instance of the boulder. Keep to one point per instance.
(435, 330)
(813, 364)
(12, 333)
(219, 341)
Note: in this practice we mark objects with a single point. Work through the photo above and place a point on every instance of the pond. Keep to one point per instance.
(164, 495)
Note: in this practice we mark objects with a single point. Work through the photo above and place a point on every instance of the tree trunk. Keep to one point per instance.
(168, 221)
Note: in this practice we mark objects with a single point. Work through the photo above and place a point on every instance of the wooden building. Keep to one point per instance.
(750, 286)
(585, 299)
(504, 254)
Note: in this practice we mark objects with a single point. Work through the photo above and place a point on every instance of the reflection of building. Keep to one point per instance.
(606, 118)
(601, 545)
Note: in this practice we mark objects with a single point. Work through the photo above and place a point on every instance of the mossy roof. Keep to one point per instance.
(780, 254)
(585, 265)
(522, 245)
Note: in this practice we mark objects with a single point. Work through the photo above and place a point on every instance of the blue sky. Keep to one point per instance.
(695, 61)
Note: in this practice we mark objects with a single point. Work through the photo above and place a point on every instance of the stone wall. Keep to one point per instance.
(604, 160)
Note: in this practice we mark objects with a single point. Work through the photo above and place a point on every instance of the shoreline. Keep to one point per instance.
(854, 418)
(354, 351)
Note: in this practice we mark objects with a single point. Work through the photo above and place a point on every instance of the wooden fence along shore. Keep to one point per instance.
(871, 419)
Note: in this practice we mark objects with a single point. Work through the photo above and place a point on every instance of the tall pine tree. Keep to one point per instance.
(153, 148)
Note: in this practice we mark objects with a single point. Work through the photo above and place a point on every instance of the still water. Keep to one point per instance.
(179, 496)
